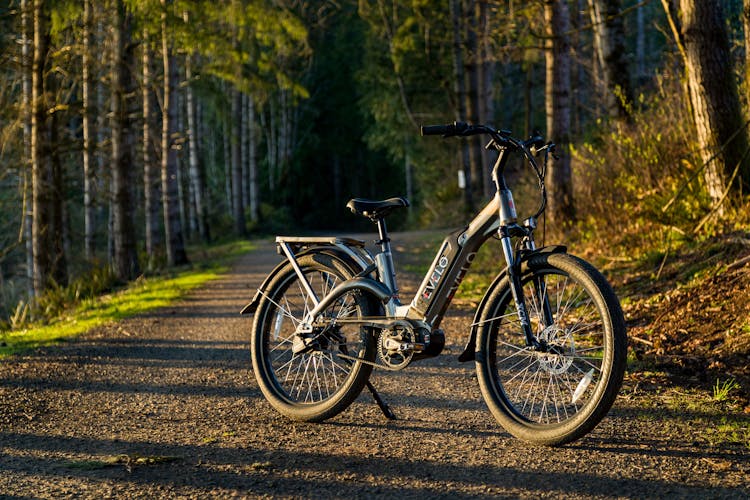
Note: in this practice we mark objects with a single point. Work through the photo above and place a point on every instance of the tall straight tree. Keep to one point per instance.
(609, 45)
(713, 95)
(174, 238)
(252, 141)
(238, 209)
(486, 96)
(557, 102)
(459, 90)
(150, 168)
(40, 152)
(196, 175)
(125, 261)
(89, 179)
(26, 110)
(473, 70)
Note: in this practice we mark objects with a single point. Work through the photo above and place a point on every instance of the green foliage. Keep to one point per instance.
(638, 179)
(68, 313)
(722, 389)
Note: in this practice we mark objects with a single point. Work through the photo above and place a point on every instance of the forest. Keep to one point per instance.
(132, 130)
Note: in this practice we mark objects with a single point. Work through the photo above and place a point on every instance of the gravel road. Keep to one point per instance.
(165, 405)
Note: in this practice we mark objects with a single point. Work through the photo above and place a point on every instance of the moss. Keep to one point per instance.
(142, 295)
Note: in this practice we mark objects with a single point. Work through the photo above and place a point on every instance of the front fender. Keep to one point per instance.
(468, 354)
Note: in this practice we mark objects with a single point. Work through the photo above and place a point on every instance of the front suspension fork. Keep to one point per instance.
(516, 288)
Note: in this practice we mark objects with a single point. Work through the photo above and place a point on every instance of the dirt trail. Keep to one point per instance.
(165, 405)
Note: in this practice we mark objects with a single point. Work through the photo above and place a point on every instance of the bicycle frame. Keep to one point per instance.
(450, 266)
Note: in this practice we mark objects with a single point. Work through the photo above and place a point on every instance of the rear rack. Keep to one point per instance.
(297, 243)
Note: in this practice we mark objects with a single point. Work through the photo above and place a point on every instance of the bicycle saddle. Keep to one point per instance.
(375, 209)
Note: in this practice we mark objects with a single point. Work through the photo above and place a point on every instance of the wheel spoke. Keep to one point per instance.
(539, 384)
(316, 375)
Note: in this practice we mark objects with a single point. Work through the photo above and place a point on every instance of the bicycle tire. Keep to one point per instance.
(535, 395)
(317, 385)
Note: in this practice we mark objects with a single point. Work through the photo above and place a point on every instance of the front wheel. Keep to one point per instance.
(557, 393)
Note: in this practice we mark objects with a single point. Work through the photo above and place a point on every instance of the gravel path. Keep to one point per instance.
(165, 405)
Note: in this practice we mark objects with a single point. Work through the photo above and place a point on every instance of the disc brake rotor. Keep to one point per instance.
(561, 348)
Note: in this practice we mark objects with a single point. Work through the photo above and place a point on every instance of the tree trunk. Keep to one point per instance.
(472, 65)
(173, 235)
(557, 102)
(459, 89)
(486, 96)
(125, 262)
(89, 180)
(57, 224)
(746, 29)
(237, 206)
(713, 95)
(196, 176)
(28, 214)
(150, 169)
(610, 51)
(101, 153)
(40, 153)
(244, 162)
(253, 145)
(640, 45)
(226, 139)
(187, 219)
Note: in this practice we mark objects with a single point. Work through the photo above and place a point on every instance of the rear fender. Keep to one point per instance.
(471, 345)
(352, 265)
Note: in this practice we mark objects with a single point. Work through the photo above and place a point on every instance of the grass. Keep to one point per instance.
(142, 295)
(722, 389)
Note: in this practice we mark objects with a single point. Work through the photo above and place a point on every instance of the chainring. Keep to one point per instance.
(389, 351)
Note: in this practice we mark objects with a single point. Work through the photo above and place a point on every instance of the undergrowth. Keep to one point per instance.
(73, 310)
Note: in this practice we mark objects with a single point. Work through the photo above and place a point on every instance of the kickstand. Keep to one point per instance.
(382, 404)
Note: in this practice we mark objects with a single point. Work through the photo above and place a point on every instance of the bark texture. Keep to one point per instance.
(125, 261)
(609, 36)
(713, 95)
(40, 153)
(561, 210)
(173, 231)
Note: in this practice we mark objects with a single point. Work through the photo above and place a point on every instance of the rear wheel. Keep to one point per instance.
(321, 381)
(559, 393)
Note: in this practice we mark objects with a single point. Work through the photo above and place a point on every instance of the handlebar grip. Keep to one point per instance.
(536, 140)
(437, 129)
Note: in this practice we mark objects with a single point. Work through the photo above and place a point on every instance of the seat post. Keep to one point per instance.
(384, 260)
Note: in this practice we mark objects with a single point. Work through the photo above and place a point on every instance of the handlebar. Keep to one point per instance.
(501, 137)
(502, 140)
